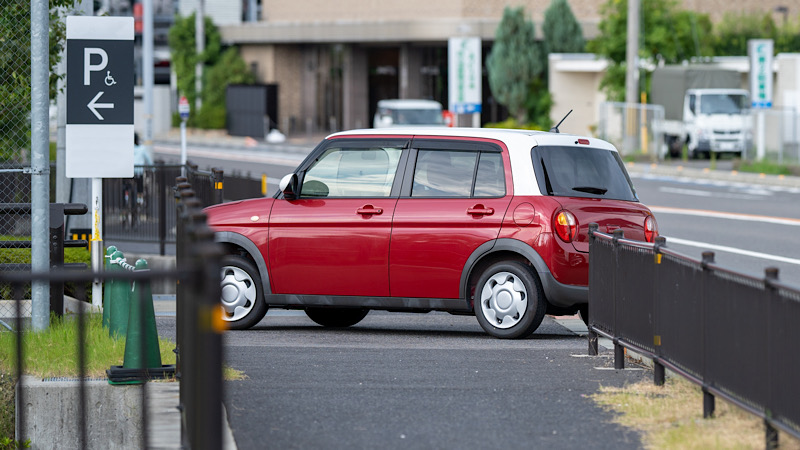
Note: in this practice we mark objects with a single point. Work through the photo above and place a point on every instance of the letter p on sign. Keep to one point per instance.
(88, 67)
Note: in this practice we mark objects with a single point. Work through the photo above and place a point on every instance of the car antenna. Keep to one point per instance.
(555, 128)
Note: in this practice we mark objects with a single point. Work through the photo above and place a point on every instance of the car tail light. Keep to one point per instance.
(650, 229)
(566, 226)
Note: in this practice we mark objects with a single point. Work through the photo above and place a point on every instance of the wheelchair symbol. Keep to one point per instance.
(109, 79)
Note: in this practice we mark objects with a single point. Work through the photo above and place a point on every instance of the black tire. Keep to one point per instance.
(242, 295)
(513, 290)
(336, 317)
(583, 310)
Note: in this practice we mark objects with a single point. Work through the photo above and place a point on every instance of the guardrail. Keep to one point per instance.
(733, 334)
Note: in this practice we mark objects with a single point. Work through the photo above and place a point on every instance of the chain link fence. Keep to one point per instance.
(633, 129)
(15, 130)
(781, 135)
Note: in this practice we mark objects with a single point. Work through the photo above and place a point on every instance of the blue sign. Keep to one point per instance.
(466, 108)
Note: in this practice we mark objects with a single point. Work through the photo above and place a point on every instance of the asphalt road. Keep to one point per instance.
(399, 381)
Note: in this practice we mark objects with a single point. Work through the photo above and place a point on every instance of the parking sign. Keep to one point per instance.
(99, 131)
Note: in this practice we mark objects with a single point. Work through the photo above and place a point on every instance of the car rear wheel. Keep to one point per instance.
(509, 301)
(242, 295)
(336, 317)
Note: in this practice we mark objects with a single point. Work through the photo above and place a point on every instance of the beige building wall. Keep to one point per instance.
(575, 85)
(279, 64)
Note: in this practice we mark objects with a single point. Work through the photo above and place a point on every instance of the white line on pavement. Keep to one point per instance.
(738, 251)
(724, 215)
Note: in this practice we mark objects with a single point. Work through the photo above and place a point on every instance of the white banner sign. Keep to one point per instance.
(760, 52)
(464, 58)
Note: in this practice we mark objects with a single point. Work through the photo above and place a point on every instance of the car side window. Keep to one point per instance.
(352, 172)
(441, 173)
(490, 181)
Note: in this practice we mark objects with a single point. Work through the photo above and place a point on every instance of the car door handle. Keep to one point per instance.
(367, 210)
(480, 210)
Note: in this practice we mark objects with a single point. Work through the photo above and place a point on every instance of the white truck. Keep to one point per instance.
(704, 108)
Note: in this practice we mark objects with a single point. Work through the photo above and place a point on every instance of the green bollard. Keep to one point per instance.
(118, 301)
(107, 287)
(142, 319)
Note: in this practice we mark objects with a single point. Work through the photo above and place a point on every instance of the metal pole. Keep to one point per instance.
(760, 136)
(200, 46)
(40, 165)
(183, 148)
(97, 240)
(632, 73)
(147, 62)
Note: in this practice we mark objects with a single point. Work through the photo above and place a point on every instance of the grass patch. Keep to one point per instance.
(54, 353)
(671, 416)
(767, 167)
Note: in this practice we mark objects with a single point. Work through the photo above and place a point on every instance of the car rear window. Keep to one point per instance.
(581, 172)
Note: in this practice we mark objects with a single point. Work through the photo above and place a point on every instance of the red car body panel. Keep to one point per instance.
(328, 247)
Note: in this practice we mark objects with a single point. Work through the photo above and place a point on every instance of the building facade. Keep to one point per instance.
(333, 61)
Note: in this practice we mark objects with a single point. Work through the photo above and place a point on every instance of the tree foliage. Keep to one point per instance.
(562, 32)
(15, 71)
(220, 69)
(515, 60)
(732, 33)
(669, 34)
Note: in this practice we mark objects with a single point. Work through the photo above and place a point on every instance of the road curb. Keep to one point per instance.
(731, 176)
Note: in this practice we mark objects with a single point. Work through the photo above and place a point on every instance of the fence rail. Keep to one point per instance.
(197, 272)
(733, 334)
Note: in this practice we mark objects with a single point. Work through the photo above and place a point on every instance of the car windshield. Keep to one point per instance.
(581, 172)
(722, 103)
(416, 117)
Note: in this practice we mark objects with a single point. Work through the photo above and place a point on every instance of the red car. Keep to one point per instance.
(466, 220)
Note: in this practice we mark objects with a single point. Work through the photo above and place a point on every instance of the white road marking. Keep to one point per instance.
(750, 194)
(724, 215)
(738, 251)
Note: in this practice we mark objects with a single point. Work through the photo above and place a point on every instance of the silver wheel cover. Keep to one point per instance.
(504, 300)
(238, 295)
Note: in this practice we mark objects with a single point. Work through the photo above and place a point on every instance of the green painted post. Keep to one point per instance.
(141, 345)
(107, 287)
(119, 301)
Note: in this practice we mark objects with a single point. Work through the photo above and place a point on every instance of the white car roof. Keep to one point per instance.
(518, 142)
(409, 104)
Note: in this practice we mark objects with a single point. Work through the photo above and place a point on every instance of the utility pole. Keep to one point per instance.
(200, 46)
(632, 74)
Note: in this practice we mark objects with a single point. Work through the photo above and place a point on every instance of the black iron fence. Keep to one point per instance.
(199, 339)
(733, 334)
(141, 208)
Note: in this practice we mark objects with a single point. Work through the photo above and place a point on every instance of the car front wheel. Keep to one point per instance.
(242, 295)
(336, 317)
(509, 301)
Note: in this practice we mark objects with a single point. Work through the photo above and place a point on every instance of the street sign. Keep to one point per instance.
(183, 108)
(99, 131)
(464, 67)
(760, 53)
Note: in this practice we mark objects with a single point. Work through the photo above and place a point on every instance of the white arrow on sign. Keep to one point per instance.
(93, 105)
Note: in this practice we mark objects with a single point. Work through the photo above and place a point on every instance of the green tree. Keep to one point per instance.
(220, 70)
(670, 35)
(15, 71)
(230, 69)
(515, 60)
(562, 32)
(735, 29)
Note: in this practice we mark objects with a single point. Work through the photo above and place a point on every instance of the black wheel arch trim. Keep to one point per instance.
(559, 294)
(229, 237)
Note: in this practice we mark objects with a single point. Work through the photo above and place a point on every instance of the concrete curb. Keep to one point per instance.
(732, 176)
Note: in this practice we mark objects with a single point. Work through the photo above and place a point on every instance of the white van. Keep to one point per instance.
(405, 112)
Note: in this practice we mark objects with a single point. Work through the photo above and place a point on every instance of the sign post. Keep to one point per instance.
(183, 110)
(99, 129)
(760, 53)
(465, 79)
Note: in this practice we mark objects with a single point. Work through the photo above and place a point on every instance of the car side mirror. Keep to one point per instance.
(288, 186)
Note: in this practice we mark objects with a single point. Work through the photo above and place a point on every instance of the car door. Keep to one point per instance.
(334, 238)
(453, 199)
